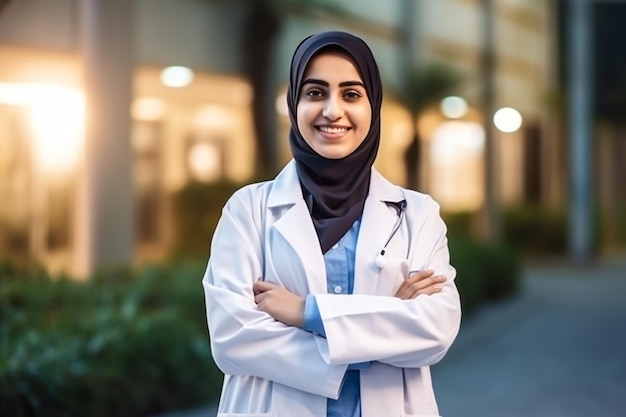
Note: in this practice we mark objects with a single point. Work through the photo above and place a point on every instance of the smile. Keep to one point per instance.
(328, 129)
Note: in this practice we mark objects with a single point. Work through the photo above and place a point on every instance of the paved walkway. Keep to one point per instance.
(557, 349)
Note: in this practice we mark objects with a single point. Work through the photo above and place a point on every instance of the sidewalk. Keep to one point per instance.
(558, 349)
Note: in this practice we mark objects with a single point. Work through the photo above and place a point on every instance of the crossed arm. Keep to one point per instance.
(288, 308)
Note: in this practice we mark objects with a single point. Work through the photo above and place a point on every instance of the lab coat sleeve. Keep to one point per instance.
(402, 333)
(245, 340)
(313, 323)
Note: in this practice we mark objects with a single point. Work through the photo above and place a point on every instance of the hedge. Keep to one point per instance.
(136, 343)
(485, 272)
(537, 231)
(120, 344)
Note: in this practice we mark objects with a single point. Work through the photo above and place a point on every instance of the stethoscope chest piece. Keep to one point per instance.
(379, 260)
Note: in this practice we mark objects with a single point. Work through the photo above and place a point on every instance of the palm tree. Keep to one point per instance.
(424, 86)
(261, 29)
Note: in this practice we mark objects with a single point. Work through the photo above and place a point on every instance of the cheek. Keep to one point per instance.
(300, 118)
(364, 116)
(303, 118)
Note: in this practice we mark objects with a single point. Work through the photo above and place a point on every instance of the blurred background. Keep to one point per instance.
(125, 125)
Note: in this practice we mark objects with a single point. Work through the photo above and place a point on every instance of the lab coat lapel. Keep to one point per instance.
(296, 226)
(376, 225)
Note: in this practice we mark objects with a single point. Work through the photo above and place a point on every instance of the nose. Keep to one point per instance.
(332, 109)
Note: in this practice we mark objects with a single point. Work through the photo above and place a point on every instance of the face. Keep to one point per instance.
(334, 113)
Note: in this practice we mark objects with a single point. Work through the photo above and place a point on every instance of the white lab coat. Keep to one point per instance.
(276, 370)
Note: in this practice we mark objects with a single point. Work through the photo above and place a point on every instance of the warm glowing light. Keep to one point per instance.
(281, 104)
(242, 93)
(57, 117)
(507, 119)
(148, 109)
(58, 120)
(17, 94)
(454, 107)
(204, 161)
(452, 141)
(456, 155)
(211, 117)
(177, 76)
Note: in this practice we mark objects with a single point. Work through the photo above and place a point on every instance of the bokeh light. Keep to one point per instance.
(148, 109)
(57, 120)
(507, 119)
(454, 107)
(177, 76)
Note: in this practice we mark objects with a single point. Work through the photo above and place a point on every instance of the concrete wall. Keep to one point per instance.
(201, 34)
(452, 33)
(198, 33)
(40, 24)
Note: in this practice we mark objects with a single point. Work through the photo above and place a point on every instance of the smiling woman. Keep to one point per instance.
(292, 278)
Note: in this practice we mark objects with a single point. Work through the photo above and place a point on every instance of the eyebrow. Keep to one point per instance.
(326, 84)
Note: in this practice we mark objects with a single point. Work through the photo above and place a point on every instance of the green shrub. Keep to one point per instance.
(484, 271)
(539, 231)
(459, 223)
(197, 209)
(621, 228)
(536, 230)
(133, 347)
(136, 344)
(613, 226)
(532, 229)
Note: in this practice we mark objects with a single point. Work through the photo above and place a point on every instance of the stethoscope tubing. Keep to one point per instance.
(400, 207)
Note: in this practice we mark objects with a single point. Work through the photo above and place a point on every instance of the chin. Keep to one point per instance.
(333, 152)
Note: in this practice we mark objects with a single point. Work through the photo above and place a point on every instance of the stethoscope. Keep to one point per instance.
(400, 207)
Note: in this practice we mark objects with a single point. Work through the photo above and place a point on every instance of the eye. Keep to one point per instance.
(314, 93)
(352, 95)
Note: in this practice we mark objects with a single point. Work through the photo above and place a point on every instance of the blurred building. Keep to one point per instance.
(199, 125)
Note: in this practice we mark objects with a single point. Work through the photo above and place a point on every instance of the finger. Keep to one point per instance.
(430, 290)
(428, 285)
(258, 298)
(426, 282)
(410, 294)
(413, 278)
(417, 275)
(262, 286)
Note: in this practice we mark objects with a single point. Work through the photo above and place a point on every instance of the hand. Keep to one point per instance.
(420, 283)
(279, 303)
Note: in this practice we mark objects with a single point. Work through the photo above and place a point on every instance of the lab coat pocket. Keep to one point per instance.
(392, 274)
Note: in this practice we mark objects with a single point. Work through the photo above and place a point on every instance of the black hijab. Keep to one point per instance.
(334, 189)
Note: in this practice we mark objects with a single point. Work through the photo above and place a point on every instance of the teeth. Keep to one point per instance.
(333, 129)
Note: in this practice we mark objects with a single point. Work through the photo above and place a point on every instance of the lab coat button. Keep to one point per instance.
(338, 289)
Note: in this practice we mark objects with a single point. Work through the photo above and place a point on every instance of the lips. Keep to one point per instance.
(332, 132)
(332, 129)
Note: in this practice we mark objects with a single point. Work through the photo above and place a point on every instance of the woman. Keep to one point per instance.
(329, 290)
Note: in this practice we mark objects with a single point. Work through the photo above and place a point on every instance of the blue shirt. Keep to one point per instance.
(339, 261)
